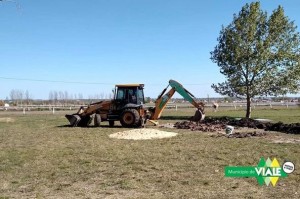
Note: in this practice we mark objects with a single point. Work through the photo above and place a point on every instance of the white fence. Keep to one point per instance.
(176, 106)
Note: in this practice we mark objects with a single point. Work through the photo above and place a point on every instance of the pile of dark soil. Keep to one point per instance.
(211, 124)
(285, 128)
(250, 123)
(205, 127)
(242, 135)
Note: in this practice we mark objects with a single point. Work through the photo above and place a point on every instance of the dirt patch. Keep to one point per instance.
(284, 140)
(167, 125)
(142, 134)
(6, 119)
(241, 134)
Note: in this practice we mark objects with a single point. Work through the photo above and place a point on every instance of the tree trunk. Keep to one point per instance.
(248, 111)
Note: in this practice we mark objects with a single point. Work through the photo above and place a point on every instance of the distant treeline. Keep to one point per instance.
(21, 97)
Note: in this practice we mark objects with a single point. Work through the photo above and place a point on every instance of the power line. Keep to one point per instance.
(53, 81)
(97, 83)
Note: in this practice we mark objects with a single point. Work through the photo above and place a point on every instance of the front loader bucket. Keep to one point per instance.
(73, 119)
(77, 120)
(198, 116)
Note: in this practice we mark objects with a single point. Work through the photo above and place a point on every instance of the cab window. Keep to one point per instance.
(140, 96)
(120, 94)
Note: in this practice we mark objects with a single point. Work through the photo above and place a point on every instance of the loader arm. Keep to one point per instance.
(83, 116)
(164, 98)
(89, 110)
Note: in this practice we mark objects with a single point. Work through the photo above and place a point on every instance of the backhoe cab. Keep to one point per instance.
(128, 107)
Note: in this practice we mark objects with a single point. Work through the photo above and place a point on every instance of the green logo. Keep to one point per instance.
(265, 172)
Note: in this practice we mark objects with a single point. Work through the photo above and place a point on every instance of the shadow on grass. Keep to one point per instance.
(220, 118)
(102, 126)
(189, 117)
(175, 118)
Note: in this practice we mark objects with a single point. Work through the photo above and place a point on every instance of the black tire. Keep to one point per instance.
(111, 123)
(97, 120)
(130, 118)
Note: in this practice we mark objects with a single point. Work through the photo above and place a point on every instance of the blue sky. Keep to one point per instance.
(106, 42)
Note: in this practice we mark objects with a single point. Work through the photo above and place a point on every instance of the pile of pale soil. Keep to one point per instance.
(142, 134)
(6, 119)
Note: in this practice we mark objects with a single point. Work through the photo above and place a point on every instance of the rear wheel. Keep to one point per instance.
(130, 118)
(97, 120)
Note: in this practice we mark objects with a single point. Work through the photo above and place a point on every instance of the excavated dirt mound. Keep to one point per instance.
(218, 124)
(205, 127)
(142, 134)
(286, 128)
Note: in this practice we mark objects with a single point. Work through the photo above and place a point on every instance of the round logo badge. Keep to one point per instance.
(288, 167)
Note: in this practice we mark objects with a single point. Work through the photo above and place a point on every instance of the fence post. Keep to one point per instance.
(53, 111)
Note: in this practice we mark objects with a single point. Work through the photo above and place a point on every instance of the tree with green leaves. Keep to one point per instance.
(258, 55)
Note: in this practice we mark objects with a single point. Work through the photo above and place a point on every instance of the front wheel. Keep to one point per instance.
(130, 118)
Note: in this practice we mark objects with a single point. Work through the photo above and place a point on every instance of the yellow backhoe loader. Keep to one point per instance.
(128, 107)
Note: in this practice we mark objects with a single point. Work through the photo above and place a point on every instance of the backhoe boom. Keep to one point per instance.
(164, 98)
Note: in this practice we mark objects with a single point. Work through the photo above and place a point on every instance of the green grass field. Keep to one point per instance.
(41, 158)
